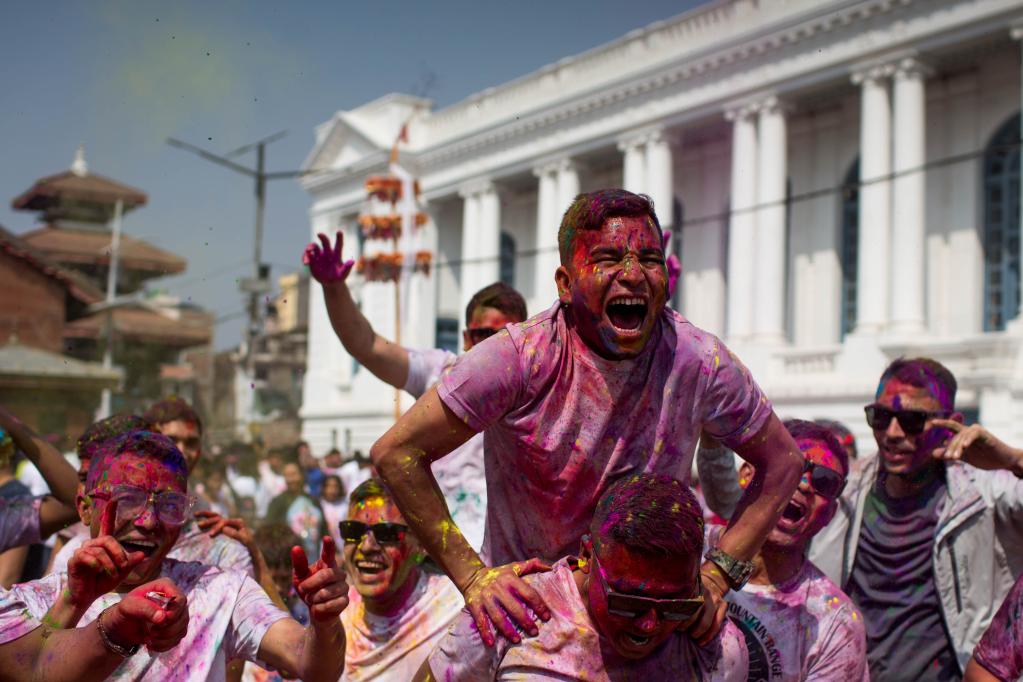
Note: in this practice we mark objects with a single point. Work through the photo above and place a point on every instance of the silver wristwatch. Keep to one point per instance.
(736, 572)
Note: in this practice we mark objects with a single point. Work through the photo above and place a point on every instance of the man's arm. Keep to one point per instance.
(54, 515)
(11, 564)
(779, 465)
(58, 473)
(317, 651)
(402, 456)
(386, 360)
(719, 481)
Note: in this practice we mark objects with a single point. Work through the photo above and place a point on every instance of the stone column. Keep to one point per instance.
(660, 178)
(741, 223)
(489, 269)
(547, 260)
(908, 226)
(1017, 35)
(634, 165)
(568, 187)
(872, 289)
(769, 249)
(467, 280)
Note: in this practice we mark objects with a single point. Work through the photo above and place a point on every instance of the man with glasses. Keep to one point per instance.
(124, 610)
(399, 609)
(460, 475)
(926, 542)
(797, 623)
(617, 609)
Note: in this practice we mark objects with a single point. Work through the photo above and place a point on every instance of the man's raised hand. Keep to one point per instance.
(977, 447)
(154, 614)
(498, 598)
(321, 586)
(100, 564)
(707, 623)
(672, 263)
(325, 263)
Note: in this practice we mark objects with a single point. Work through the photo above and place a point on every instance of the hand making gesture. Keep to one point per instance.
(321, 586)
(325, 263)
(977, 447)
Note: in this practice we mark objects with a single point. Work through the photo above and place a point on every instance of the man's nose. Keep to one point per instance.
(894, 429)
(369, 542)
(648, 621)
(147, 517)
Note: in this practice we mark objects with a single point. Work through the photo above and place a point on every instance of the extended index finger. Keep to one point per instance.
(106, 521)
(299, 563)
(328, 555)
(949, 424)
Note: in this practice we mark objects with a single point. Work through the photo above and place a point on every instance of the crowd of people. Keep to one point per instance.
(532, 516)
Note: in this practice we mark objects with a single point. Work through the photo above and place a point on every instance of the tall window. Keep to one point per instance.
(675, 246)
(1001, 226)
(507, 259)
(447, 334)
(849, 246)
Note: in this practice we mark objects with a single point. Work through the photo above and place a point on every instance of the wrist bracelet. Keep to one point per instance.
(122, 651)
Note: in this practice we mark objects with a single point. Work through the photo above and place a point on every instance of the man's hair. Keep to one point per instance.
(171, 410)
(501, 297)
(275, 541)
(804, 430)
(651, 514)
(147, 444)
(370, 489)
(589, 211)
(103, 430)
(923, 373)
(842, 433)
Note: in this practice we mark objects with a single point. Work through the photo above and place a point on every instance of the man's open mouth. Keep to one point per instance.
(794, 512)
(637, 640)
(626, 313)
(147, 547)
(370, 567)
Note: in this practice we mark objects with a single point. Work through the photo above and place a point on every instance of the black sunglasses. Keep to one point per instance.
(634, 606)
(824, 481)
(480, 334)
(912, 422)
(384, 533)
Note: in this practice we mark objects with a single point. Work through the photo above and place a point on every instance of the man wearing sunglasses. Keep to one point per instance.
(125, 611)
(926, 542)
(618, 608)
(460, 475)
(399, 610)
(797, 623)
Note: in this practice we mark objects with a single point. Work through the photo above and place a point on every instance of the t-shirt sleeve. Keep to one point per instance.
(840, 652)
(484, 384)
(425, 368)
(461, 656)
(19, 521)
(1000, 650)
(734, 407)
(253, 615)
(23, 606)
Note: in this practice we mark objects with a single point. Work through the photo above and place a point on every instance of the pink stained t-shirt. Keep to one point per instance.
(561, 423)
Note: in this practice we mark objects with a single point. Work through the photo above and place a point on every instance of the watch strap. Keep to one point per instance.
(736, 571)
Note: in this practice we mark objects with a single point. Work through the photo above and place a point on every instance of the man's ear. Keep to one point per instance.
(562, 279)
(585, 553)
(746, 472)
(84, 505)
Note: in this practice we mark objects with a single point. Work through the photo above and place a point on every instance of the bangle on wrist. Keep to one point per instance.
(113, 647)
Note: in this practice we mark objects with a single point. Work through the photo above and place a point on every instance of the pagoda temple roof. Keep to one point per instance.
(92, 247)
(48, 191)
(76, 284)
(184, 328)
(22, 365)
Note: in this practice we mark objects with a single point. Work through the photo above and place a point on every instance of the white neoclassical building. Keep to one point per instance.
(842, 178)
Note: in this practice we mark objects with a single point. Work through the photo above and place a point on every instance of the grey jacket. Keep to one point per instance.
(978, 545)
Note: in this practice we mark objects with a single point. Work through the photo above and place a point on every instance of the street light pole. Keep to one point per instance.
(108, 350)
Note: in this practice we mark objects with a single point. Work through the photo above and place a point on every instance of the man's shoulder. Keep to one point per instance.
(196, 574)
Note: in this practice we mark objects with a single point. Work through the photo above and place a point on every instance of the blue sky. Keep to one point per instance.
(122, 76)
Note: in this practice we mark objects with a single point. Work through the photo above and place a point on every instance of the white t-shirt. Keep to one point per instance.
(380, 648)
(228, 616)
(193, 545)
(19, 521)
(804, 629)
(460, 474)
(569, 647)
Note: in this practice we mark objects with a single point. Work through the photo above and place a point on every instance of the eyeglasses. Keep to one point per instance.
(634, 606)
(171, 508)
(913, 422)
(825, 481)
(384, 533)
(480, 334)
